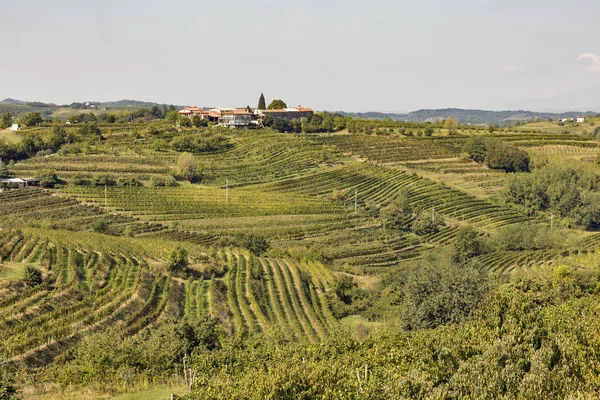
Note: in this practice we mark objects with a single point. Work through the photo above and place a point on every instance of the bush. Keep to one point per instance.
(178, 261)
(436, 295)
(507, 158)
(476, 148)
(33, 277)
(48, 179)
(426, 223)
(162, 180)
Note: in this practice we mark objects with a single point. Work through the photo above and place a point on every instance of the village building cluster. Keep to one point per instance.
(242, 118)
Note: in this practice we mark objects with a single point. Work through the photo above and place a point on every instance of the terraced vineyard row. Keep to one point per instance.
(379, 185)
(395, 149)
(38, 206)
(85, 291)
(191, 202)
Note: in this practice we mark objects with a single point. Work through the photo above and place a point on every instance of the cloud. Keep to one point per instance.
(592, 60)
(512, 68)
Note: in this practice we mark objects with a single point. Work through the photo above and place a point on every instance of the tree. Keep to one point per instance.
(491, 129)
(277, 105)
(427, 223)
(48, 179)
(440, 294)
(466, 245)
(198, 121)
(187, 167)
(451, 124)
(507, 158)
(32, 119)
(33, 276)
(6, 121)
(476, 148)
(58, 137)
(391, 216)
(428, 131)
(262, 105)
(178, 260)
(4, 172)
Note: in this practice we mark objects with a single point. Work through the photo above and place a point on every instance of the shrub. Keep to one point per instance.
(178, 261)
(33, 277)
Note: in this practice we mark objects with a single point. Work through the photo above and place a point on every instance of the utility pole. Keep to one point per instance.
(355, 200)
(105, 193)
(433, 214)
(226, 190)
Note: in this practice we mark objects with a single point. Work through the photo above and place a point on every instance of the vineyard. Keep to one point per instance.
(284, 235)
(88, 291)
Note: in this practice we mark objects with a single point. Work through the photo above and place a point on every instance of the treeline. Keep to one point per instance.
(497, 155)
(571, 193)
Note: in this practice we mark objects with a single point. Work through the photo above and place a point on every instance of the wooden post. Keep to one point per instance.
(226, 190)
(355, 200)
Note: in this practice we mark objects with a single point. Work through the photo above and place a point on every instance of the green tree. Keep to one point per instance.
(277, 105)
(506, 157)
(391, 216)
(32, 119)
(33, 276)
(4, 172)
(58, 137)
(491, 129)
(476, 148)
(262, 105)
(48, 179)
(466, 245)
(7, 120)
(440, 294)
(427, 222)
(428, 131)
(198, 121)
(187, 167)
(178, 261)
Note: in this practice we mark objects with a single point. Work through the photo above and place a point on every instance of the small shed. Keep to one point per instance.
(8, 183)
(15, 127)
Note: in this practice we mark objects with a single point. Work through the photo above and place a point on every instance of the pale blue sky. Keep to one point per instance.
(348, 55)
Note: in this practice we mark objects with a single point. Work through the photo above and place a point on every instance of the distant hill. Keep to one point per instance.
(8, 100)
(130, 103)
(469, 117)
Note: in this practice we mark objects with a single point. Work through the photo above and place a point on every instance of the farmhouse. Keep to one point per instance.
(239, 118)
(580, 119)
(10, 183)
(234, 118)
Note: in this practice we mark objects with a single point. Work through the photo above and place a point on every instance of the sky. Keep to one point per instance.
(350, 55)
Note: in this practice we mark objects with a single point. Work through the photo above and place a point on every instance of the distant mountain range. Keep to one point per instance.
(472, 117)
(466, 116)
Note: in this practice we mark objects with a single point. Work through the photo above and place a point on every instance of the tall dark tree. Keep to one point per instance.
(262, 104)
(6, 121)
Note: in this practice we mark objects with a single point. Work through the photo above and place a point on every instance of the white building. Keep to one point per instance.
(15, 127)
(580, 119)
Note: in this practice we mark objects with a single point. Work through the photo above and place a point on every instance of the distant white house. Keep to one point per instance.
(580, 119)
(15, 127)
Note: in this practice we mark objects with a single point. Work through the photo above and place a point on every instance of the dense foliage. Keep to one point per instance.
(571, 193)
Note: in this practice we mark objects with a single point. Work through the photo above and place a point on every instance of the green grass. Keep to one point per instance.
(10, 271)
(10, 136)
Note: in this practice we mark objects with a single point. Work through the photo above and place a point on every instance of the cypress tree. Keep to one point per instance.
(262, 104)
